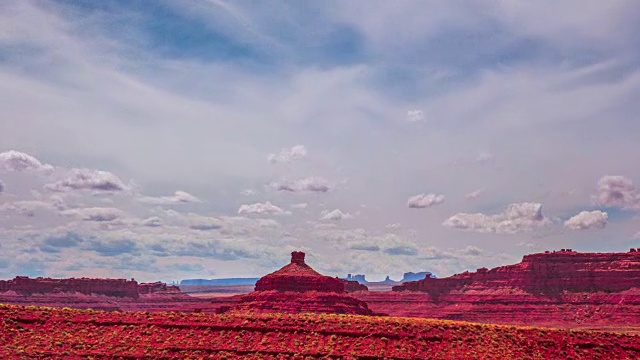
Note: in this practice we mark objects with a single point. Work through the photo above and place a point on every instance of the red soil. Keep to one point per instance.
(28, 332)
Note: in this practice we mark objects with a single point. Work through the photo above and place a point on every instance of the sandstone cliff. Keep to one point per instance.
(23, 285)
(548, 273)
(110, 287)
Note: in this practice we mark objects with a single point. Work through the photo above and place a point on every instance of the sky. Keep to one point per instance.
(166, 140)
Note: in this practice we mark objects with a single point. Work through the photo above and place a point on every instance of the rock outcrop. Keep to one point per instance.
(352, 286)
(545, 273)
(23, 285)
(299, 277)
(410, 276)
(111, 287)
(157, 288)
(557, 288)
(298, 288)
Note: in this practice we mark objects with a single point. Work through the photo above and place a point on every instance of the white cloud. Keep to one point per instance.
(179, 197)
(153, 221)
(335, 215)
(617, 191)
(484, 157)
(415, 115)
(205, 223)
(587, 220)
(95, 214)
(474, 194)
(299, 206)
(265, 208)
(247, 192)
(421, 201)
(516, 218)
(297, 152)
(18, 161)
(309, 184)
(86, 179)
(636, 236)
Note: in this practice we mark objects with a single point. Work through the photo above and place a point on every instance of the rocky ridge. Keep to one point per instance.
(549, 273)
(23, 285)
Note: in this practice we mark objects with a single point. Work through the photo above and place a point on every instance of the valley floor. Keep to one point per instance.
(36, 332)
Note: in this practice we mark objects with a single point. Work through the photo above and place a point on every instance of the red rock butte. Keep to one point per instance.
(297, 288)
(300, 277)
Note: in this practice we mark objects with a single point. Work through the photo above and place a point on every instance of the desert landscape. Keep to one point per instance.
(560, 304)
(335, 179)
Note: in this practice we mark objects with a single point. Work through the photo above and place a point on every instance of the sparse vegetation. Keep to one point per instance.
(41, 332)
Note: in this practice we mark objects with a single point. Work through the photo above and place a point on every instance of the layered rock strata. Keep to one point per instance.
(545, 273)
(23, 285)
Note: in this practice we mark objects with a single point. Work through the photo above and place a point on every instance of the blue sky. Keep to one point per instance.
(164, 140)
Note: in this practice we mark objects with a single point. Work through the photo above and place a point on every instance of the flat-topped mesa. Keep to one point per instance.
(300, 277)
(551, 272)
(24, 285)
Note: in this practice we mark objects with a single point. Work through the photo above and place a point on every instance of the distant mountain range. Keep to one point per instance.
(408, 276)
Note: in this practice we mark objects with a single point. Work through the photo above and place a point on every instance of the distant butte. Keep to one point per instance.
(297, 288)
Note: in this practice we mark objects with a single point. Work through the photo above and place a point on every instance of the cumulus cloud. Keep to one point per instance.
(86, 179)
(265, 208)
(587, 220)
(18, 161)
(153, 221)
(112, 247)
(335, 215)
(310, 184)
(415, 115)
(95, 214)
(421, 201)
(390, 244)
(617, 191)
(205, 223)
(474, 194)
(179, 197)
(28, 207)
(516, 218)
(297, 152)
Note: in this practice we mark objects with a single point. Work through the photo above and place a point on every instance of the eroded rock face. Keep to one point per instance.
(297, 288)
(23, 285)
(351, 286)
(157, 288)
(110, 287)
(548, 273)
(299, 277)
